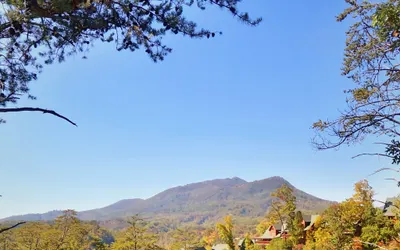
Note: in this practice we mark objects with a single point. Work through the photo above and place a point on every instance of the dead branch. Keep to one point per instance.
(24, 109)
(384, 169)
(371, 154)
(386, 202)
(371, 244)
(14, 226)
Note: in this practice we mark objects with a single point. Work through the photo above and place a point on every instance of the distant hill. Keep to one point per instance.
(198, 203)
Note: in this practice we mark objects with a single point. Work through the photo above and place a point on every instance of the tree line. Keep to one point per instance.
(352, 224)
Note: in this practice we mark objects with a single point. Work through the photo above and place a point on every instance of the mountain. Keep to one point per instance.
(198, 203)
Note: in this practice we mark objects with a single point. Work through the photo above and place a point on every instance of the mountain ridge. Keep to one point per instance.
(197, 202)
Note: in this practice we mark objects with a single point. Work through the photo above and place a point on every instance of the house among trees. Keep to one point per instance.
(391, 209)
(242, 244)
(281, 230)
(272, 232)
(309, 224)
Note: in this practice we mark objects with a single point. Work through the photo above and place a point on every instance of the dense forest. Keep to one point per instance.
(352, 224)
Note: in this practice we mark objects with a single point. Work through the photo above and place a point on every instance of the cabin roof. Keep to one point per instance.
(240, 243)
(307, 218)
(220, 247)
(313, 219)
(390, 208)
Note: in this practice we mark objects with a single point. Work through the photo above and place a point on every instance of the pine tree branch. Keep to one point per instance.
(14, 226)
(30, 109)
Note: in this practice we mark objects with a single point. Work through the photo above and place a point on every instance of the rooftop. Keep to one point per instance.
(390, 208)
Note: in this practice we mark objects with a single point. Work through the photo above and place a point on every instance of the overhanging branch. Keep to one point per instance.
(14, 226)
(25, 109)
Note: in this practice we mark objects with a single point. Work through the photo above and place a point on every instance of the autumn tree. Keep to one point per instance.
(225, 232)
(209, 238)
(65, 232)
(36, 33)
(7, 241)
(283, 206)
(135, 237)
(354, 221)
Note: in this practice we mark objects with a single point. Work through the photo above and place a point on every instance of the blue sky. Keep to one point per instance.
(240, 104)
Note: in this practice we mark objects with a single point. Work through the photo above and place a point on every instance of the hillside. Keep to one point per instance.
(198, 203)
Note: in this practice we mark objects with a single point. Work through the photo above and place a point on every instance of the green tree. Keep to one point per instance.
(32, 236)
(70, 233)
(136, 237)
(296, 228)
(225, 232)
(248, 243)
(278, 244)
(35, 33)
(372, 48)
(281, 210)
(334, 228)
(283, 206)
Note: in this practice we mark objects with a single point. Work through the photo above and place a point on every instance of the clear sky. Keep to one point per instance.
(240, 104)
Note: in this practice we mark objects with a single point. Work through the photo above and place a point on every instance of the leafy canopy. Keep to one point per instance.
(65, 232)
(34, 33)
(352, 222)
(371, 62)
(282, 208)
(136, 237)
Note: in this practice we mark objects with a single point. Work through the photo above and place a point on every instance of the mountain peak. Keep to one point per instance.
(200, 202)
(276, 178)
(238, 179)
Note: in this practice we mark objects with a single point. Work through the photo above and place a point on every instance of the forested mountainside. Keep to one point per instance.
(196, 203)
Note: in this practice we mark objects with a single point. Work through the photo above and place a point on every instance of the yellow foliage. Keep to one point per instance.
(362, 94)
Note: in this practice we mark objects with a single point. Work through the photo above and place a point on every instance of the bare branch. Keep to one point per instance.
(14, 226)
(24, 109)
(383, 169)
(394, 179)
(371, 154)
(371, 244)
